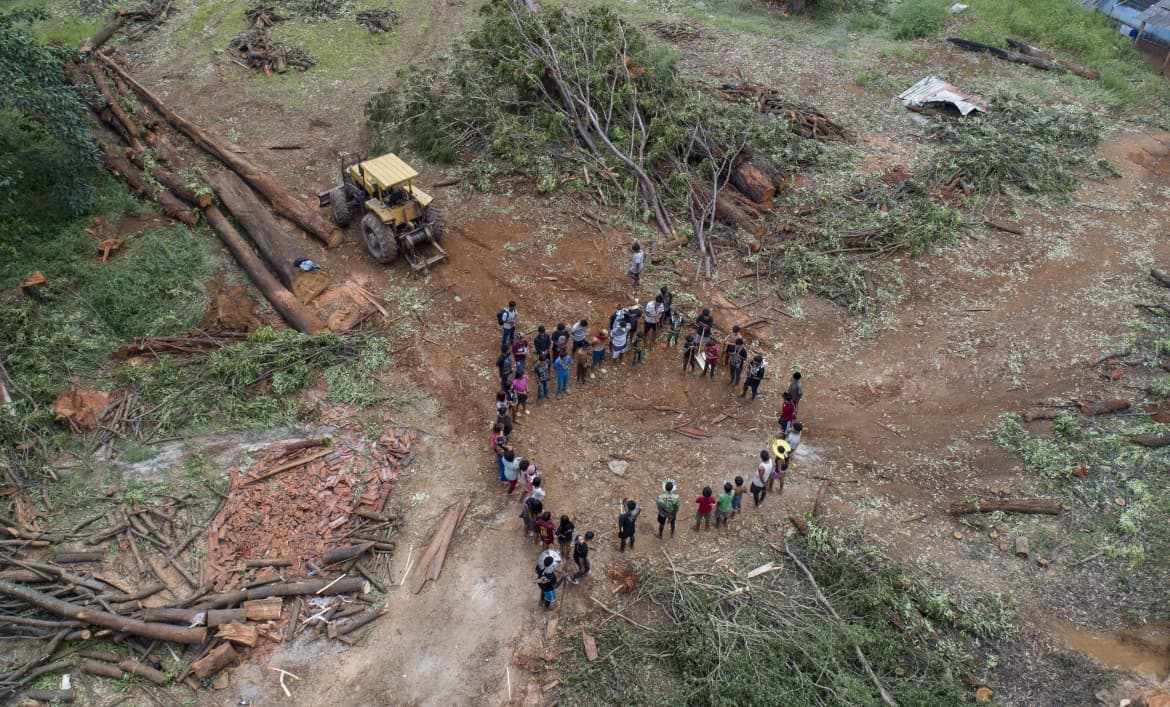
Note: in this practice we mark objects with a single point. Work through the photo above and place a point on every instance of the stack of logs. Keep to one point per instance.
(136, 575)
(805, 120)
(382, 20)
(254, 49)
(148, 16)
(151, 166)
(747, 198)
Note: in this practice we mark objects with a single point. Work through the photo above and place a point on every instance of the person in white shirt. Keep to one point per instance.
(793, 436)
(759, 487)
(618, 338)
(637, 262)
(508, 319)
(651, 317)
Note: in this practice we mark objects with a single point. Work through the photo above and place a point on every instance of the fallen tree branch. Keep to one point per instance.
(886, 697)
(1033, 506)
(161, 632)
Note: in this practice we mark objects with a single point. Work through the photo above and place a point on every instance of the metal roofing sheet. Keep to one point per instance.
(388, 170)
(932, 91)
(1157, 14)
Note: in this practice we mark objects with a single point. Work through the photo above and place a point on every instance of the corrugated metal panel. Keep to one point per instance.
(1139, 5)
(1157, 15)
(388, 170)
(933, 91)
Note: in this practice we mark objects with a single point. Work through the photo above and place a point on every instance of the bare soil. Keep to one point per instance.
(897, 412)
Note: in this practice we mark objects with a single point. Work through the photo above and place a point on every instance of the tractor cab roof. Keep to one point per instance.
(386, 171)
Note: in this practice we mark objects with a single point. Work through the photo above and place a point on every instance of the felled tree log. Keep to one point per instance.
(219, 658)
(753, 183)
(170, 203)
(132, 131)
(341, 554)
(1006, 55)
(1072, 66)
(282, 300)
(1104, 407)
(177, 186)
(1021, 506)
(238, 633)
(161, 632)
(345, 585)
(1021, 548)
(103, 35)
(263, 229)
(70, 557)
(284, 203)
(1151, 440)
(1160, 277)
(725, 210)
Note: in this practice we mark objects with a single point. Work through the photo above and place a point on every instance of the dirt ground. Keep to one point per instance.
(897, 412)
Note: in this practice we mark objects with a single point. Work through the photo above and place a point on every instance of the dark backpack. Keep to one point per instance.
(501, 317)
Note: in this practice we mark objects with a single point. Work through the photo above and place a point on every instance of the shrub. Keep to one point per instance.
(915, 19)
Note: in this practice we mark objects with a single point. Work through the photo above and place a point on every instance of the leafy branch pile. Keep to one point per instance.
(775, 643)
(1097, 464)
(1017, 146)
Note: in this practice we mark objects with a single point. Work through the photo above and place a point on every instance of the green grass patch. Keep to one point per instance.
(917, 19)
(1077, 33)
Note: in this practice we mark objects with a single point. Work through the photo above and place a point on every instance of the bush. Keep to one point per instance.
(915, 19)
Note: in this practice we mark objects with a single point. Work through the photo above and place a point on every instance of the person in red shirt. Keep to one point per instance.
(520, 353)
(787, 413)
(546, 531)
(706, 505)
(710, 358)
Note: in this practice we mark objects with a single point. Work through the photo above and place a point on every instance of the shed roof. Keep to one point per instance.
(1157, 14)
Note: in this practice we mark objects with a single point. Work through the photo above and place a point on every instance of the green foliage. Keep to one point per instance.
(46, 152)
(1079, 33)
(1046, 457)
(915, 19)
(1066, 427)
(775, 644)
(1019, 145)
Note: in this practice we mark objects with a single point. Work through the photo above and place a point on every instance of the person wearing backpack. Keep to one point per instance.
(506, 318)
(628, 523)
(668, 503)
(546, 579)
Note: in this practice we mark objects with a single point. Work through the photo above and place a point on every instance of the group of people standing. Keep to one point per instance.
(574, 349)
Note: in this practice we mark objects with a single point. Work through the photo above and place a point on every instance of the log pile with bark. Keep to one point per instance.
(805, 120)
(156, 573)
(149, 15)
(1022, 53)
(254, 49)
(380, 20)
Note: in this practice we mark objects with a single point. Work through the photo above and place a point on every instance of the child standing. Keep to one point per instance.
(580, 331)
(676, 321)
(689, 354)
(520, 387)
(723, 505)
(546, 532)
(583, 357)
(542, 342)
(638, 347)
(511, 470)
(668, 503)
(528, 476)
(529, 513)
(520, 352)
(710, 358)
(546, 579)
(504, 366)
(736, 357)
(759, 485)
(636, 262)
(706, 502)
(787, 412)
(730, 345)
(581, 557)
(561, 366)
(600, 341)
(565, 535)
(737, 498)
(628, 523)
(756, 370)
(650, 319)
(499, 447)
(542, 376)
(618, 339)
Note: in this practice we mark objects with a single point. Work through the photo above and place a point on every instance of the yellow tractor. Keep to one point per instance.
(397, 217)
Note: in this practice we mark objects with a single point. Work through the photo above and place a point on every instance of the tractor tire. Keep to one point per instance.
(342, 210)
(380, 240)
(434, 221)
